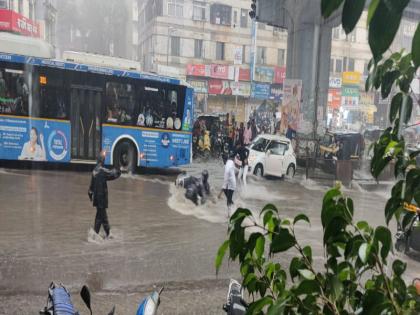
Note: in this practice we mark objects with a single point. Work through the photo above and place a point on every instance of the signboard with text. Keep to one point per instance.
(276, 92)
(219, 87)
(222, 72)
(264, 74)
(335, 83)
(241, 88)
(243, 74)
(198, 70)
(279, 74)
(334, 98)
(351, 78)
(198, 85)
(260, 91)
(14, 22)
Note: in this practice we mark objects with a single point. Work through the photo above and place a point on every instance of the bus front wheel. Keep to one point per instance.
(125, 157)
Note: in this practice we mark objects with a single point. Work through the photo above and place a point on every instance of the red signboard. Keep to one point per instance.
(14, 22)
(198, 70)
(222, 72)
(219, 87)
(244, 75)
(279, 74)
(334, 98)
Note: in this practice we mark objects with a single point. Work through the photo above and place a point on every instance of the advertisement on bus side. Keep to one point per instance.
(157, 148)
(34, 139)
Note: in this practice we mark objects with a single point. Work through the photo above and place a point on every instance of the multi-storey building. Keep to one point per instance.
(32, 18)
(209, 43)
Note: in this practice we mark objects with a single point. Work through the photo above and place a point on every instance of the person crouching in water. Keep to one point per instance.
(229, 181)
(98, 192)
(196, 189)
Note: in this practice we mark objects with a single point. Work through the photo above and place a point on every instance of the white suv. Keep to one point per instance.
(272, 155)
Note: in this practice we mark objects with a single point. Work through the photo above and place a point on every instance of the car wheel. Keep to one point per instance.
(259, 170)
(290, 173)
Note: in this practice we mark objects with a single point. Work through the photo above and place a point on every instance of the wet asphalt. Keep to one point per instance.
(160, 239)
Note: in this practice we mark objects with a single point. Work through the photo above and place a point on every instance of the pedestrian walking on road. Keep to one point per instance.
(98, 192)
(243, 154)
(229, 181)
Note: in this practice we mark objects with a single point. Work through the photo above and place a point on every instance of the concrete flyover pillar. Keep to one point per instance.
(308, 58)
(308, 52)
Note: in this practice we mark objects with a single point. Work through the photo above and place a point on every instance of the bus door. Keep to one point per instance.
(85, 122)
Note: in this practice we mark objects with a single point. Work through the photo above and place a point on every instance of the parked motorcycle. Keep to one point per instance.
(150, 304)
(59, 301)
(409, 238)
(235, 304)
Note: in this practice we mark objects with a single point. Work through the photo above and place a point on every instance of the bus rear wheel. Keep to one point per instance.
(125, 157)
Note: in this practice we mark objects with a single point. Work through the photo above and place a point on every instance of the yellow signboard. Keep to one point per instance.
(351, 78)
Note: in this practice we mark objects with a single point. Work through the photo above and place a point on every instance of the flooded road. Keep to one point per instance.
(160, 238)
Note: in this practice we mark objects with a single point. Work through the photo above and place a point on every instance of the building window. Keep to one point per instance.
(20, 6)
(199, 11)
(331, 65)
(31, 10)
(220, 51)
(244, 18)
(336, 33)
(338, 66)
(365, 69)
(175, 8)
(221, 14)
(3, 4)
(235, 17)
(198, 48)
(351, 64)
(345, 64)
(352, 37)
(261, 55)
(281, 60)
(175, 46)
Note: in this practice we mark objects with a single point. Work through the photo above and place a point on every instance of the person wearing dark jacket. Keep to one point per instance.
(98, 192)
(196, 189)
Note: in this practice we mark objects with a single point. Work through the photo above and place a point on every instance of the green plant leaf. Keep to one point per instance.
(364, 251)
(362, 225)
(307, 274)
(386, 17)
(295, 265)
(409, 109)
(396, 104)
(352, 11)
(387, 82)
(329, 6)
(372, 8)
(383, 235)
(282, 241)
(220, 254)
(256, 307)
(239, 215)
(307, 250)
(398, 267)
(300, 217)
(259, 246)
(307, 287)
(415, 47)
(269, 207)
(278, 306)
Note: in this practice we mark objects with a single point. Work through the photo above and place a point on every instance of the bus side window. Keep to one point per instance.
(14, 92)
(120, 103)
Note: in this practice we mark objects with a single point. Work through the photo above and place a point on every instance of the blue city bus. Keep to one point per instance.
(59, 111)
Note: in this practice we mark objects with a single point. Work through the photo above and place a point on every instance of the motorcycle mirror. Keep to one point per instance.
(112, 311)
(85, 294)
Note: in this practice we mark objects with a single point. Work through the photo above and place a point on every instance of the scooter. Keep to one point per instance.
(59, 301)
(410, 237)
(150, 304)
(235, 304)
(203, 149)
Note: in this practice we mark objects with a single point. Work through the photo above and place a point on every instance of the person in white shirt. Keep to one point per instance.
(229, 181)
